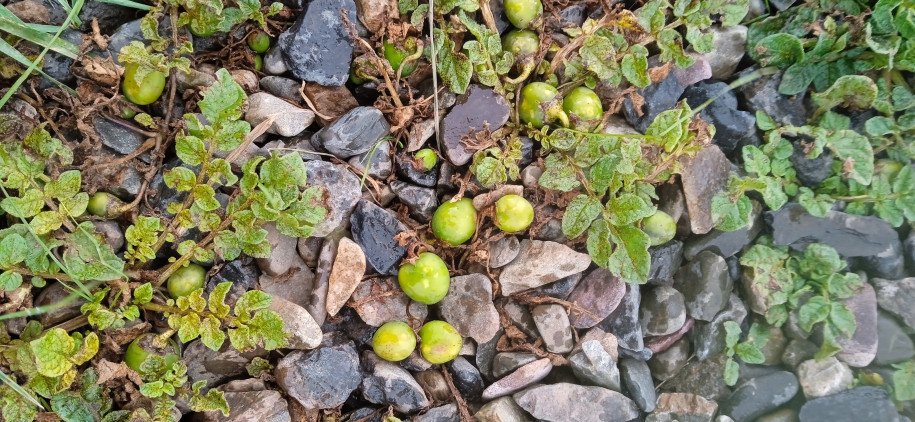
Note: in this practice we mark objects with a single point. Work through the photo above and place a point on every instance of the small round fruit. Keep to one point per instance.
(396, 55)
(394, 341)
(427, 158)
(427, 280)
(535, 98)
(185, 280)
(142, 347)
(128, 113)
(258, 62)
(455, 222)
(104, 204)
(513, 213)
(521, 42)
(142, 92)
(259, 41)
(440, 342)
(660, 228)
(522, 12)
(890, 168)
(585, 104)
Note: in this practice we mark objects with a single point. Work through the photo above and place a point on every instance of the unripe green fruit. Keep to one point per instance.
(427, 158)
(142, 92)
(259, 41)
(394, 341)
(513, 213)
(521, 42)
(396, 55)
(104, 204)
(660, 228)
(455, 222)
(522, 12)
(585, 104)
(185, 280)
(258, 62)
(440, 342)
(538, 104)
(427, 280)
(142, 347)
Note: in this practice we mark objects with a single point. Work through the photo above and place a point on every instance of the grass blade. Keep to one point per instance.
(17, 388)
(127, 3)
(10, 51)
(14, 26)
(67, 8)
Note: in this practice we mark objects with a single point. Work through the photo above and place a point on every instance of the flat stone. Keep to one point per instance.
(321, 378)
(704, 378)
(893, 345)
(217, 366)
(466, 378)
(376, 162)
(252, 406)
(282, 252)
(663, 95)
(479, 107)
(686, 407)
(343, 192)
(502, 409)
(347, 273)
(861, 349)
(553, 324)
(521, 378)
(824, 378)
(317, 47)
(897, 297)
(762, 95)
(658, 344)
(798, 351)
(387, 384)
(540, 263)
(665, 365)
(598, 294)
(353, 133)
(855, 405)
(446, 413)
(408, 168)
(665, 260)
(288, 120)
(637, 377)
(374, 230)
(662, 311)
(503, 251)
(294, 285)
(595, 366)
(433, 382)
(706, 285)
(703, 176)
(760, 395)
(306, 334)
(468, 307)
(120, 139)
(569, 402)
(624, 321)
(419, 200)
(709, 337)
(281, 87)
(379, 301)
(506, 362)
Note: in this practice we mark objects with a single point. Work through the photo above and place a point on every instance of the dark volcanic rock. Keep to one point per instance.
(353, 133)
(624, 321)
(706, 285)
(406, 168)
(420, 201)
(855, 405)
(475, 109)
(762, 95)
(388, 384)
(374, 230)
(317, 47)
(810, 171)
(466, 378)
(665, 259)
(663, 96)
(731, 125)
(760, 395)
(637, 377)
(322, 378)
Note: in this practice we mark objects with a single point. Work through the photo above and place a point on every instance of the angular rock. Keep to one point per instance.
(347, 273)
(217, 367)
(893, 345)
(823, 378)
(468, 307)
(663, 96)
(731, 125)
(343, 192)
(703, 176)
(726, 244)
(446, 413)
(857, 404)
(562, 288)
(637, 377)
(861, 349)
(810, 171)
(709, 337)
(321, 378)
(595, 366)
(662, 311)
(665, 260)
(243, 275)
(624, 321)
(466, 378)
(374, 230)
(598, 294)
(760, 395)
(570, 402)
(479, 107)
(284, 88)
(706, 285)
(376, 162)
(896, 297)
(433, 382)
(521, 378)
(375, 14)
(506, 362)
(728, 48)
(541, 263)
(353, 133)
(705, 378)
(317, 47)
(485, 354)
(762, 95)
(288, 120)
(665, 365)
(386, 383)
(317, 301)
(503, 251)
(686, 407)
(120, 139)
(305, 333)
(408, 168)
(274, 64)
(380, 301)
(420, 201)
(502, 409)
(331, 101)
(553, 324)
(252, 406)
(520, 316)
(282, 252)
(294, 285)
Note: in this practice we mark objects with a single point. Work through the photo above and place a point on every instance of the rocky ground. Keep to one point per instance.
(548, 335)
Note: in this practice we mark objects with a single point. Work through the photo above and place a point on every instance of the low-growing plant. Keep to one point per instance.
(747, 350)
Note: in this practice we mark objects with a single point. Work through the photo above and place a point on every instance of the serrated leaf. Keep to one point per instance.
(749, 353)
(855, 153)
(850, 91)
(816, 310)
(558, 175)
(630, 258)
(251, 301)
(217, 301)
(635, 66)
(781, 49)
(180, 178)
(25, 206)
(52, 352)
(190, 149)
(210, 333)
(579, 214)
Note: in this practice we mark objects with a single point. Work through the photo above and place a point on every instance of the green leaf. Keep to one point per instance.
(842, 319)
(780, 50)
(46, 222)
(628, 208)
(558, 174)
(635, 66)
(223, 100)
(10, 281)
(71, 407)
(630, 258)
(143, 294)
(732, 333)
(210, 334)
(599, 245)
(814, 311)
(180, 178)
(67, 184)
(217, 301)
(13, 250)
(251, 301)
(756, 161)
(190, 150)
(797, 78)
(730, 216)
(816, 205)
(904, 381)
(52, 352)
(731, 372)
(855, 153)
(89, 257)
(579, 214)
(213, 400)
(749, 353)
(850, 91)
(26, 205)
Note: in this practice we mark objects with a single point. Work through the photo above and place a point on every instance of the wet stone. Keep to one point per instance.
(810, 171)
(662, 311)
(420, 201)
(317, 47)
(321, 378)
(663, 96)
(570, 402)
(408, 168)
(762, 95)
(374, 230)
(353, 133)
(598, 294)
(706, 285)
(478, 108)
(760, 395)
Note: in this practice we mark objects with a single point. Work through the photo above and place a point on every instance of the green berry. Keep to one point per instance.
(522, 12)
(584, 104)
(455, 222)
(144, 346)
(258, 62)
(145, 91)
(394, 341)
(427, 158)
(440, 342)
(104, 204)
(538, 104)
(185, 280)
(890, 168)
(660, 228)
(513, 213)
(521, 42)
(427, 280)
(259, 41)
(396, 54)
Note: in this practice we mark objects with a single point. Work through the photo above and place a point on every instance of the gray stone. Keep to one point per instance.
(703, 176)
(658, 344)
(468, 307)
(379, 301)
(317, 301)
(243, 275)
(282, 252)
(479, 107)
(485, 353)
(665, 260)
(288, 120)
(376, 162)
(726, 244)
(810, 171)
(54, 293)
(554, 327)
(119, 138)
(624, 321)
(317, 47)
(111, 233)
(446, 413)
(562, 288)
(502, 409)
(760, 395)
(353, 133)
(705, 378)
(304, 331)
(728, 48)
(896, 297)
(420, 201)
(435, 385)
(762, 95)
(252, 406)
(781, 415)
(503, 251)
(570, 402)
(466, 378)
(343, 192)
(666, 364)
(893, 345)
(284, 88)
(295, 284)
(521, 378)
(347, 273)
(684, 407)
(419, 133)
(706, 285)
(530, 176)
(541, 263)
(824, 378)
(861, 349)
(797, 351)
(855, 405)
(407, 167)
(217, 367)
(374, 230)
(595, 366)
(709, 337)
(274, 64)
(520, 317)
(597, 296)
(662, 311)
(663, 96)
(386, 383)
(774, 347)
(321, 378)
(637, 377)
(506, 362)
(732, 126)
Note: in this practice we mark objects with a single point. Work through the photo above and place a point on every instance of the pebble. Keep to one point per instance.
(294, 285)
(289, 120)
(760, 395)
(252, 406)
(321, 378)
(861, 349)
(505, 362)
(347, 273)
(797, 351)
(896, 297)
(118, 138)
(242, 273)
(540, 263)
(469, 308)
(111, 233)
(709, 337)
(663, 95)
(378, 301)
(685, 407)
(282, 252)
(274, 64)
(54, 293)
(317, 302)
(893, 345)
(520, 316)
(810, 171)
(317, 47)
(703, 176)
(732, 126)
(502, 409)
(281, 87)
(503, 251)
(353, 133)
(466, 378)
(595, 366)
(665, 365)
(343, 192)
(726, 244)
(305, 332)
(728, 48)
(762, 95)
(446, 413)
(387, 384)
(824, 378)
(435, 385)
(706, 285)
(637, 377)
(702, 377)
(553, 324)
(570, 402)
(519, 379)
(479, 107)
(562, 288)
(665, 260)
(419, 200)
(376, 162)
(331, 101)
(406, 167)
(420, 132)
(374, 230)
(598, 294)
(217, 367)
(624, 321)
(662, 311)
(855, 405)
(658, 344)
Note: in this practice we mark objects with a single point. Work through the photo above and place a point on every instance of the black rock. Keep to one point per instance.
(130, 31)
(810, 171)
(406, 168)
(527, 152)
(161, 195)
(386, 383)
(855, 405)
(726, 244)
(242, 275)
(498, 13)
(353, 133)
(479, 107)
(467, 378)
(706, 285)
(119, 138)
(317, 47)
(761, 395)
(637, 378)
(321, 378)
(486, 352)
(661, 96)
(665, 259)
(731, 125)
(562, 288)
(624, 321)
(762, 95)
(57, 65)
(420, 201)
(893, 345)
(377, 159)
(709, 337)
(374, 230)
(908, 248)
